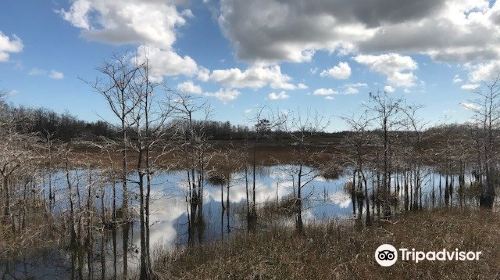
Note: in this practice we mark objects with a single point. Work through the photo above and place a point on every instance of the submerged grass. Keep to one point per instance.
(343, 251)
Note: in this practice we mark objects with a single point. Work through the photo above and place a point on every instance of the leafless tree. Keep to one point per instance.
(301, 128)
(358, 144)
(386, 112)
(265, 120)
(487, 118)
(195, 151)
(115, 84)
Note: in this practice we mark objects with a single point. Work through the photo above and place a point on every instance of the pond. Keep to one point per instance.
(324, 199)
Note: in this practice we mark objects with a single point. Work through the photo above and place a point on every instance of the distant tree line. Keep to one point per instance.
(66, 127)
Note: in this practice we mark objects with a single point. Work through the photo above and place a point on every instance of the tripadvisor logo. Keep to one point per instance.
(387, 255)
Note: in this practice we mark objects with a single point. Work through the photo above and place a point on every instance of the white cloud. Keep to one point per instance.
(397, 68)
(8, 46)
(302, 86)
(53, 74)
(445, 30)
(189, 87)
(325, 92)
(483, 71)
(278, 96)
(457, 79)
(470, 106)
(203, 74)
(470, 87)
(56, 75)
(166, 62)
(187, 13)
(126, 21)
(389, 89)
(356, 85)
(254, 77)
(150, 24)
(353, 88)
(37, 72)
(225, 95)
(341, 71)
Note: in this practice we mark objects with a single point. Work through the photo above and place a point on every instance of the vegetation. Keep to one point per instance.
(54, 185)
(339, 250)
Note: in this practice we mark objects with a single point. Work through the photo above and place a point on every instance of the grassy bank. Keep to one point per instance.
(341, 251)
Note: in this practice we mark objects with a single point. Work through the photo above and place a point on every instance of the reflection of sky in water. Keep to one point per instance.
(169, 210)
(324, 199)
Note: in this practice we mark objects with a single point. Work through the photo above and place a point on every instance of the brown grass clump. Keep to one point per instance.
(339, 251)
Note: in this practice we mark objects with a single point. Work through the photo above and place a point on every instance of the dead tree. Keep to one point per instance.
(386, 113)
(115, 84)
(194, 149)
(265, 120)
(301, 127)
(358, 147)
(487, 119)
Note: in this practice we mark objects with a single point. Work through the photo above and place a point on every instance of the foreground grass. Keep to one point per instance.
(340, 251)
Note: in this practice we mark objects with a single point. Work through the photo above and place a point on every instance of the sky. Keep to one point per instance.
(291, 55)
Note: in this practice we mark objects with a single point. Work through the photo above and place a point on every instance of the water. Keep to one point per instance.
(324, 199)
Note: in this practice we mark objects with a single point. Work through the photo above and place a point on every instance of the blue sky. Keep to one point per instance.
(291, 55)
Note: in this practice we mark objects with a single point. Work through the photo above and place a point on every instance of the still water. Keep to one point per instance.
(324, 199)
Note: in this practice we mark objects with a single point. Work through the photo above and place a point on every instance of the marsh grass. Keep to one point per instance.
(340, 250)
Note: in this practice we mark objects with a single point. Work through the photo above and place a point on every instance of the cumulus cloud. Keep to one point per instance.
(483, 71)
(470, 106)
(341, 71)
(225, 95)
(189, 87)
(53, 74)
(166, 62)
(9, 45)
(349, 89)
(455, 31)
(325, 92)
(293, 30)
(397, 68)
(278, 96)
(255, 77)
(457, 79)
(203, 74)
(470, 87)
(56, 75)
(37, 72)
(126, 21)
(389, 89)
(448, 30)
(150, 24)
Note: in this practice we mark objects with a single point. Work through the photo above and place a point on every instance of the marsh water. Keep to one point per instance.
(324, 199)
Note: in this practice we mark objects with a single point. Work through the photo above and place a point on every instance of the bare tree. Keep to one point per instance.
(116, 86)
(487, 118)
(301, 127)
(195, 151)
(265, 120)
(358, 145)
(386, 112)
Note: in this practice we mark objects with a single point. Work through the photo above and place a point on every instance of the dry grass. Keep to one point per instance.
(340, 251)
(38, 235)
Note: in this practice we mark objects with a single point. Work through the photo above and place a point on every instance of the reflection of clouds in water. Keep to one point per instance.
(164, 213)
(320, 179)
(169, 189)
(342, 199)
(237, 192)
(308, 215)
